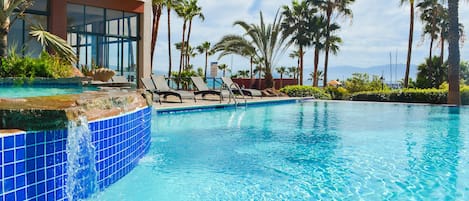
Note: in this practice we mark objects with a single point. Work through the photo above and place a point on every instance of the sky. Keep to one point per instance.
(377, 28)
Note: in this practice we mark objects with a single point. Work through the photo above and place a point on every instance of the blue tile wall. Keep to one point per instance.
(33, 164)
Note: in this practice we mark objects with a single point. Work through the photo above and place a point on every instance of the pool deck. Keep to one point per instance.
(172, 104)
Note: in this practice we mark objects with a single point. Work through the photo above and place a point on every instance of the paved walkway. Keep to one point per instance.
(173, 103)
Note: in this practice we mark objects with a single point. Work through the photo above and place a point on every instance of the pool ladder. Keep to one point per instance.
(236, 87)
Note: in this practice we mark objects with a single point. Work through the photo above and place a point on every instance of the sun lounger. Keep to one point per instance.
(150, 87)
(238, 90)
(162, 88)
(203, 89)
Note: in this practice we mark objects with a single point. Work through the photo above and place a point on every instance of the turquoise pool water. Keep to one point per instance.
(305, 151)
(33, 91)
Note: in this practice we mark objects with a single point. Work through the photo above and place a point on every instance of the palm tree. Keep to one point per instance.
(293, 72)
(281, 70)
(411, 38)
(244, 73)
(224, 68)
(454, 96)
(182, 9)
(260, 71)
(319, 34)
(296, 54)
(264, 41)
(430, 16)
(204, 48)
(169, 6)
(157, 7)
(11, 9)
(332, 42)
(193, 10)
(330, 8)
(297, 25)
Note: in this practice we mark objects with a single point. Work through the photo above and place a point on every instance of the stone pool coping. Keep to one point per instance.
(204, 105)
(54, 112)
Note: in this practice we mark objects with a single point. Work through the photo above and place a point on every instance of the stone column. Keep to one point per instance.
(57, 18)
(144, 44)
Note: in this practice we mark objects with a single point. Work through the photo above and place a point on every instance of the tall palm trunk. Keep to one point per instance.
(328, 35)
(169, 44)
(181, 59)
(188, 45)
(281, 80)
(301, 65)
(442, 49)
(251, 63)
(206, 64)
(4, 29)
(431, 47)
(454, 96)
(409, 47)
(154, 36)
(316, 62)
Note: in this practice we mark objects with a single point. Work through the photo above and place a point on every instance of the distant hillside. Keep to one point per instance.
(344, 72)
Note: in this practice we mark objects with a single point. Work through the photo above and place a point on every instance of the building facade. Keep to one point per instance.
(114, 34)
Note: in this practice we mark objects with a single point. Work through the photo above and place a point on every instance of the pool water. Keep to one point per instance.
(304, 151)
(33, 91)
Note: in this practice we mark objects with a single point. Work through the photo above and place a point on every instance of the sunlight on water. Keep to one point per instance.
(305, 151)
(81, 170)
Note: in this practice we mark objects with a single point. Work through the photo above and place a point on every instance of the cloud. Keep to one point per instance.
(377, 28)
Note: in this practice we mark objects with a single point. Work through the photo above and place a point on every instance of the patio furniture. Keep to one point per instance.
(238, 90)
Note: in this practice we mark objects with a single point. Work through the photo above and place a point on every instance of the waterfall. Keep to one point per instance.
(81, 179)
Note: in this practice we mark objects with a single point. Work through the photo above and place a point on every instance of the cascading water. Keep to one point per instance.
(81, 169)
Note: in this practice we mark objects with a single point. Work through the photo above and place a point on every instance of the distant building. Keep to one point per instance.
(115, 34)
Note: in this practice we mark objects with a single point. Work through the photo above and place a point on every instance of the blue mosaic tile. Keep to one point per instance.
(30, 138)
(40, 175)
(1, 173)
(31, 178)
(8, 156)
(41, 188)
(8, 142)
(20, 154)
(50, 185)
(10, 196)
(50, 148)
(8, 184)
(19, 140)
(39, 162)
(58, 194)
(20, 182)
(30, 164)
(21, 194)
(50, 172)
(41, 198)
(50, 196)
(30, 152)
(20, 167)
(40, 137)
(8, 170)
(40, 148)
(31, 191)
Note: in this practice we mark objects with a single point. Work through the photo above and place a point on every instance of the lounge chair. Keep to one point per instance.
(238, 90)
(150, 87)
(157, 85)
(163, 88)
(203, 89)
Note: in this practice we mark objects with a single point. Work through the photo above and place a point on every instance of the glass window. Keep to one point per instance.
(15, 38)
(95, 20)
(39, 5)
(130, 24)
(104, 37)
(75, 17)
(31, 46)
(114, 21)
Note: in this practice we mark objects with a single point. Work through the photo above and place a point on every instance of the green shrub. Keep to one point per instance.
(26, 67)
(338, 93)
(434, 96)
(465, 95)
(305, 91)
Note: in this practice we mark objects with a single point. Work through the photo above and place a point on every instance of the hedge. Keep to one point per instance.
(433, 96)
(305, 91)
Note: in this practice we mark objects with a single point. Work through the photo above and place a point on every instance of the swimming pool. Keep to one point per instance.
(304, 151)
(33, 91)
